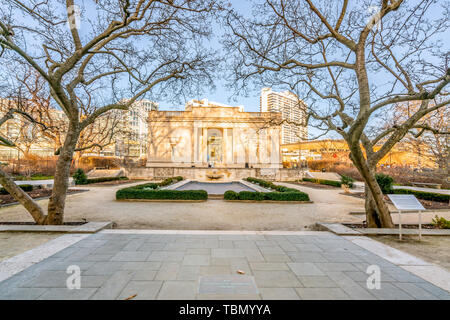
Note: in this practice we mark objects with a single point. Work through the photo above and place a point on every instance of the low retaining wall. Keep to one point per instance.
(222, 174)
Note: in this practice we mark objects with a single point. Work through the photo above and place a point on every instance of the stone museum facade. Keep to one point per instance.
(213, 135)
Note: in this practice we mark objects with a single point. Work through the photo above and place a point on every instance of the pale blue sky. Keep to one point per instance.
(223, 94)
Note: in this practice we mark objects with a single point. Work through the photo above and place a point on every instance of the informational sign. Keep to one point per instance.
(407, 202)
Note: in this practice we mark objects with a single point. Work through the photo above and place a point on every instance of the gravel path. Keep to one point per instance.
(99, 205)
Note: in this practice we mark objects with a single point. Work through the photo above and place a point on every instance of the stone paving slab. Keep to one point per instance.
(342, 230)
(338, 228)
(90, 227)
(218, 265)
(23, 261)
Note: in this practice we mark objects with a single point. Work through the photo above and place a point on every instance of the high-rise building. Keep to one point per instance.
(133, 140)
(121, 133)
(293, 113)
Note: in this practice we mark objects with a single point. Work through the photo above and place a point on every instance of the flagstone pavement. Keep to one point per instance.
(308, 265)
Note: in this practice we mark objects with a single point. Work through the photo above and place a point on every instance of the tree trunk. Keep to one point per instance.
(377, 212)
(23, 198)
(371, 210)
(57, 200)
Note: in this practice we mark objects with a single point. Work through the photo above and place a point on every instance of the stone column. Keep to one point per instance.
(204, 158)
(230, 147)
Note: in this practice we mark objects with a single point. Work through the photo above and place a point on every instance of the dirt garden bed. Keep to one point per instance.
(7, 199)
(426, 203)
(433, 249)
(404, 226)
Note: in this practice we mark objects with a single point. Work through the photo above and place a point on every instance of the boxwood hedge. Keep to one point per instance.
(104, 179)
(131, 193)
(280, 193)
(149, 191)
(286, 196)
(24, 187)
(424, 195)
(231, 195)
(322, 181)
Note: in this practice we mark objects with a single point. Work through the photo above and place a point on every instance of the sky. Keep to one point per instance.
(223, 94)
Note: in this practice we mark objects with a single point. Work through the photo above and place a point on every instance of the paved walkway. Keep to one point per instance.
(118, 264)
(99, 204)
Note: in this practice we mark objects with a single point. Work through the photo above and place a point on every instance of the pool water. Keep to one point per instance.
(215, 187)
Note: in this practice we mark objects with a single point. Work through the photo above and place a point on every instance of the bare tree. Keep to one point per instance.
(93, 55)
(349, 62)
(34, 99)
(430, 137)
(15, 108)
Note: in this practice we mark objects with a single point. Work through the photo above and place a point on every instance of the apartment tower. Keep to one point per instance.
(293, 113)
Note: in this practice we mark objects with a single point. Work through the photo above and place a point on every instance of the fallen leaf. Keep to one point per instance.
(240, 272)
(131, 297)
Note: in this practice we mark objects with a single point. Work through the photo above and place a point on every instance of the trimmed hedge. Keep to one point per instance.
(249, 195)
(424, 195)
(262, 183)
(130, 193)
(269, 196)
(327, 182)
(270, 185)
(150, 185)
(231, 195)
(169, 181)
(104, 179)
(281, 193)
(286, 196)
(149, 191)
(24, 187)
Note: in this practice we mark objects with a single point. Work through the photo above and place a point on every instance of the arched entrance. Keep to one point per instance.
(214, 146)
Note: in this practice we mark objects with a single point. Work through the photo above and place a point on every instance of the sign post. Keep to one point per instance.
(406, 202)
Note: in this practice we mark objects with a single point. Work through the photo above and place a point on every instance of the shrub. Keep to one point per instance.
(149, 191)
(262, 183)
(104, 179)
(330, 183)
(441, 222)
(132, 193)
(24, 187)
(385, 182)
(281, 193)
(431, 196)
(249, 195)
(150, 185)
(170, 181)
(326, 182)
(80, 177)
(231, 195)
(286, 196)
(346, 180)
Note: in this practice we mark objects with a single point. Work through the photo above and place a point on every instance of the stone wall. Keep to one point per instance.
(216, 174)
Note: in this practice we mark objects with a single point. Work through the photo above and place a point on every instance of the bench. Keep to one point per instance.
(424, 184)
